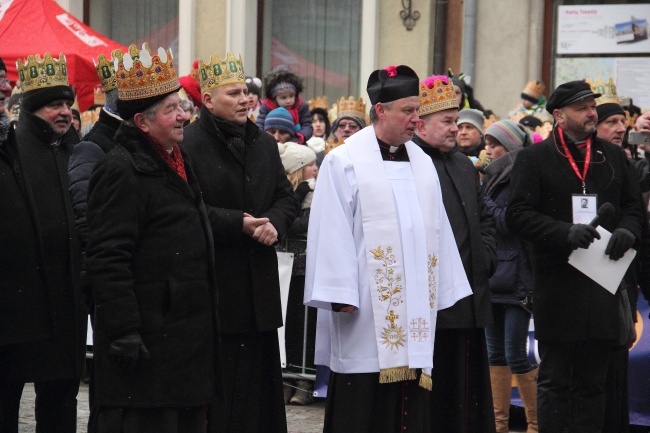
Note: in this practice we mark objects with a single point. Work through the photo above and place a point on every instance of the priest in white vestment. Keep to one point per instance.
(381, 262)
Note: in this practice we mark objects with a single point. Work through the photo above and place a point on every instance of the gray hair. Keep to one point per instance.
(374, 118)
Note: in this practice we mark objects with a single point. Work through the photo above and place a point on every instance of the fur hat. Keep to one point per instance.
(509, 133)
(281, 75)
(295, 156)
(280, 119)
(473, 117)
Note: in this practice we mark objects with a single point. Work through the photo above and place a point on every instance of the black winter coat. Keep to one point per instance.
(567, 305)
(247, 271)
(85, 155)
(513, 277)
(481, 259)
(41, 306)
(150, 264)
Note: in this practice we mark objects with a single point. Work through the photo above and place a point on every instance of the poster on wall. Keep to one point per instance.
(629, 73)
(603, 29)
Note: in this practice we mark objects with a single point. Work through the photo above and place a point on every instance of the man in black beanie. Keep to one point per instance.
(576, 320)
(42, 313)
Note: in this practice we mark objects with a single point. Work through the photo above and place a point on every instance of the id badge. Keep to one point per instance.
(585, 208)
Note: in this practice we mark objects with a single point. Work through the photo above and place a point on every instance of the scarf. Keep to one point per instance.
(405, 278)
(235, 135)
(5, 124)
(174, 159)
(498, 171)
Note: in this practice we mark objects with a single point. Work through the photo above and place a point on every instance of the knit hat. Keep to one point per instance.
(295, 156)
(568, 93)
(509, 133)
(282, 88)
(252, 86)
(280, 119)
(391, 83)
(473, 117)
(606, 110)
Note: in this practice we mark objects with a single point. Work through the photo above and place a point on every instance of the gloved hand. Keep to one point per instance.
(301, 191)
(125, 351)
(582, 235)
(621, 241)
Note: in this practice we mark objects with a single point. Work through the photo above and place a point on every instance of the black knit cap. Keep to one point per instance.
(568, 93)
(2, 65)
(391, 83)
(609, 109)
(37, 98)
(129, 108)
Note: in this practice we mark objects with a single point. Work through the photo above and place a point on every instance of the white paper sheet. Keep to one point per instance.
(599, 267)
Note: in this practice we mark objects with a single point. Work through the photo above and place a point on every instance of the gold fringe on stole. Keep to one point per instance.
(397, 374)
(426, 382)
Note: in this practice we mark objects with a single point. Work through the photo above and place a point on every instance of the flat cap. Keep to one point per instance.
(568, 93)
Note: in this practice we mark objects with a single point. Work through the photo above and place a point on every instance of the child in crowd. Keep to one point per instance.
(300, 166)
(282, 88)
(321, 126)
(279, 124)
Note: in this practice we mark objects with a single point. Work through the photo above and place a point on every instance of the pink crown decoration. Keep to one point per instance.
(436, 94)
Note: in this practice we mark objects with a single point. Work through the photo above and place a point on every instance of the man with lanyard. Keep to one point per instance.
(381, 262)
(576, 320)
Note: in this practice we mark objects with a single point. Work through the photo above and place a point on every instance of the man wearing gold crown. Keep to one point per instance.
(381, 263)
(42, 314)
(239, 170)
(462, 398)
(150, 263)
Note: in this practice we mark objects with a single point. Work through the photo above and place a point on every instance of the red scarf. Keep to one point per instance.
(271, 105)
(174, 159)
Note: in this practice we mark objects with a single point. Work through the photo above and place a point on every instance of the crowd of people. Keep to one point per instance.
(425, 232)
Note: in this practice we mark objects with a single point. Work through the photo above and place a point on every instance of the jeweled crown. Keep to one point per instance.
(36, 73)
(351, 108)
(318, 102)
(106, 70)
(139, 74)
(606, 89)
(437, 94)
(221, 72)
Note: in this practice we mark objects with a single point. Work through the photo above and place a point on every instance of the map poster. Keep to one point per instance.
(629, 73)
(603, 29)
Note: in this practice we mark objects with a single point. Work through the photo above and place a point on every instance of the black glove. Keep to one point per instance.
(582, 235)
(301, 191)
(125, 351)
(621, 241)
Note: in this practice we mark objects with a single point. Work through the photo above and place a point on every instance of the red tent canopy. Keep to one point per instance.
(42, 26)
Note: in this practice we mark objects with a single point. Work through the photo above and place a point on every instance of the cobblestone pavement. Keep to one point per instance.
(300, 419)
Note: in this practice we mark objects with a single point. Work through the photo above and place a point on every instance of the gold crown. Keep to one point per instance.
(221, 72)
(99, 97)
(142, 75)
(37, 73)
(318, 102)
(436, 95)
(332, 143)
(106, 70)
(534, 88)
(351, 108)
(606, 89)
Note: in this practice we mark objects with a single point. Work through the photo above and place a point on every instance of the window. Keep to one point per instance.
(320, 41)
